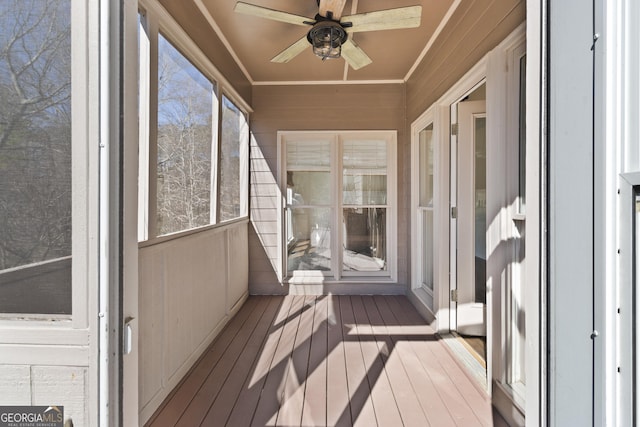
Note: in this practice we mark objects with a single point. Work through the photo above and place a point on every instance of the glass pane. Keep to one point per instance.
(522, 143)
(185, 105)
(309, 188)
(365, 240)
(234, 129)
(309, 246)
(364, 172)
(426, 166)
(35, 157)
(427, 249)
(480, 163)
(363, 189)
(309, 155)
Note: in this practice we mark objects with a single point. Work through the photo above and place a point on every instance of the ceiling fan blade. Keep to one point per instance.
(334, 6)
(292, 51)
(391, 19)
(275, 15)
(354, 56)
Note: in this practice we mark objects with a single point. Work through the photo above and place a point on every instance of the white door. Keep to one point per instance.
(470, 283)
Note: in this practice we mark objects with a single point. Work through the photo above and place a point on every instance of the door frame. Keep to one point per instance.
(455, 237)
(492, 68)
(439, 115)
(125, 299)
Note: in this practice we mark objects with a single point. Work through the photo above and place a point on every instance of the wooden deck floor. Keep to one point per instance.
(326, 360)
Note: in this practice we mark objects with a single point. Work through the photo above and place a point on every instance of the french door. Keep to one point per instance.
(468, 224)
(339, 204)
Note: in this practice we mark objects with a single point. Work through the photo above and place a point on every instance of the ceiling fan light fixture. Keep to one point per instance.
(327, 38)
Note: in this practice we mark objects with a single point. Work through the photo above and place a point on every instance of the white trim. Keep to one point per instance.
(223, 39)
(535, 369)
(104, 240)
(328, 82)
(130, 383)
(84, 140)
(144, 88)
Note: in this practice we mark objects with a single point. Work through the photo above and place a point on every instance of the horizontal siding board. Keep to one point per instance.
(267, 202)
(472, 31)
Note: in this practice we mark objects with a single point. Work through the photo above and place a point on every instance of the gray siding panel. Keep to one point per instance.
(571, 210)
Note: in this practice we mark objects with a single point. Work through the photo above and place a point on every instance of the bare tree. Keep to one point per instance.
(35, 131)
(229, 197)
(185, 107)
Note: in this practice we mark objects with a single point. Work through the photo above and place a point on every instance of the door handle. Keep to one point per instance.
(127, 335)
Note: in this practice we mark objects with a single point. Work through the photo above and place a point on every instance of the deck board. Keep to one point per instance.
(175, 406)
(206, 395)
(221, 408)
(326, 360)
(314, 411)
(410, 410)
(338, 397)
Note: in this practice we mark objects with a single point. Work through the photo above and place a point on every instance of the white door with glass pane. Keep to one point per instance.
(471, 219)
(309, 210)
(337, 204)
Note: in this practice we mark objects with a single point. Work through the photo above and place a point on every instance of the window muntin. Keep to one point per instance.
(35, 157)
(185, 122)
(338, 195)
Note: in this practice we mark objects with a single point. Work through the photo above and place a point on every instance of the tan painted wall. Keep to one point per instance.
(310, 107)
(475, 28)
(187, 14)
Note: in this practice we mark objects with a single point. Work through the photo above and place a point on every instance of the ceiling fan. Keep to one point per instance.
(329, 33)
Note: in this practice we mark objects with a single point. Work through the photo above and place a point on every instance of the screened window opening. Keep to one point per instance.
(234, 136)
(193, 140)
(185, 132)
(35, 157)
(337, 203)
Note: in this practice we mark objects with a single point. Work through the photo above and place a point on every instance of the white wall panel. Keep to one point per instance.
(15, 385)
(189, 288)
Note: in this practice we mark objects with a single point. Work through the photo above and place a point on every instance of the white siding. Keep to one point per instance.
(190, 287)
